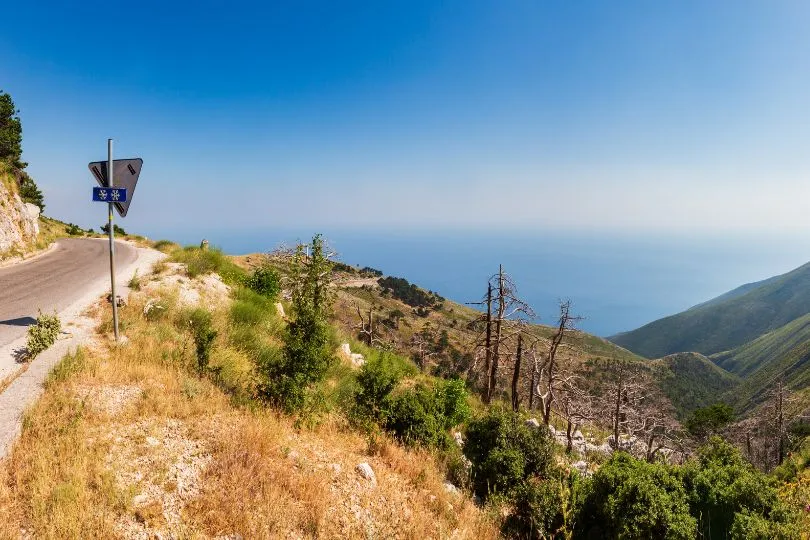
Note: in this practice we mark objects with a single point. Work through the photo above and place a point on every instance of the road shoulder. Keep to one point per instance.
(22, 382)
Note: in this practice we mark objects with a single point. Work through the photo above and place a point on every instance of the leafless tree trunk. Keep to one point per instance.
(516, 374)
(493, 373)
(546, 372)
(488, 345)
(366, 328)
(502, 299)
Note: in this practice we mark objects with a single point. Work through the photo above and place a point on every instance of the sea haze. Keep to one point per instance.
(616, 282)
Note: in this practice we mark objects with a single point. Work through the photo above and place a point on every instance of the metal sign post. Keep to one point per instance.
(111, 231)
(117, 180)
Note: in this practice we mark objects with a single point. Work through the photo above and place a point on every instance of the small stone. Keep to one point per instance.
(533, 423)
(365, 470)
(458, 438)
(138, 500)
(450, 488)
(335, 467)
(151, 441)
(578, 436)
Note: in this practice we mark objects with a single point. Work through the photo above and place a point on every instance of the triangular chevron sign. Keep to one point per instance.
(126, 172)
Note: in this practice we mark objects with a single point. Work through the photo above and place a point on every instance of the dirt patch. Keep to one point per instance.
(160, 464)
(109, 399)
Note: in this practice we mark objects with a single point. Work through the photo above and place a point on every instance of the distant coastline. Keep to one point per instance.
(616, 283)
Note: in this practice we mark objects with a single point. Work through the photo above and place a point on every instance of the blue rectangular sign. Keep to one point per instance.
(110, 195)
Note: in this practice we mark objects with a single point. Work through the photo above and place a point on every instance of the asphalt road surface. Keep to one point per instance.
(54, 281)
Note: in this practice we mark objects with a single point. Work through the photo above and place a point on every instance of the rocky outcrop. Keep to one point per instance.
(19, 221)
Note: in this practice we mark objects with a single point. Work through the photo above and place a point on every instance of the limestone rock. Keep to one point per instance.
(365, 470)
(19, 225)
(533, 423)
(450, 488)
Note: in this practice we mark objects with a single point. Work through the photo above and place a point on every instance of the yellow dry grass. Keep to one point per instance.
(127, 442)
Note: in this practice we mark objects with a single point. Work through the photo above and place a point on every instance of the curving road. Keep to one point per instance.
(55, 280)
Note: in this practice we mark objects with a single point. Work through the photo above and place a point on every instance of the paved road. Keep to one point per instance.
(54, 281)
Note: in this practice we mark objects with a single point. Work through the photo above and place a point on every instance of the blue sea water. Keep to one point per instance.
(617, 283)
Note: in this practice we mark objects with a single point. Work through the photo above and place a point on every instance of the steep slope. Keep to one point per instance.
(723, 324)
(691, 381)
(19, 225)
(783, 353)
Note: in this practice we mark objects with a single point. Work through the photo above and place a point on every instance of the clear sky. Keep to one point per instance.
(648, 116)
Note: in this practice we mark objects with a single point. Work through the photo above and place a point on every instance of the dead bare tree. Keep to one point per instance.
(366, 328)
(546, 368)
(516, 373)
(574, 404)
(500, 325)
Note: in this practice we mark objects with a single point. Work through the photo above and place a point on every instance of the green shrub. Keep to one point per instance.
(415, 417)
(630, 498)
(74, 230)
(135, 282)
(378, 377)
(751, 526)
(538, 509)
(265, 281)
(164, 245)
(721, 484)
(505, 452)
(308, 349)
(708, 420)
(43, 334)
(200, 262)
(204, 335)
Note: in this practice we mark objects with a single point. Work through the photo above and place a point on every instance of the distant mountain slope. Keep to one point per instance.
(766, 349)
(783, 353)
(726, 322)
(691, 381)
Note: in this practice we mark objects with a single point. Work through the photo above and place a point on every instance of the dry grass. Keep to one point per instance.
(125, 442)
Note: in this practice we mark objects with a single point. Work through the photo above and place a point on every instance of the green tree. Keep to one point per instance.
(307, 351)
(10, 132)
(30, 192)
(709, 420)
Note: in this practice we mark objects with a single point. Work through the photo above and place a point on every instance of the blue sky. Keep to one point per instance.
(615, 117)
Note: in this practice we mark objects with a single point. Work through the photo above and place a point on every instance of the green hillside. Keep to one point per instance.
(726, 322)
(784, 352)
(691, 381)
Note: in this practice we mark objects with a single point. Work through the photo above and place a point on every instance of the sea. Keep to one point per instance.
(616, 282)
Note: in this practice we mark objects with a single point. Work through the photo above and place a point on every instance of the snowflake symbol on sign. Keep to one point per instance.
(115, 195)
(102, 194)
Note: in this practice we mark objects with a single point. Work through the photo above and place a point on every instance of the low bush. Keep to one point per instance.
(135, 282)
(505, 452)
(723, 488)
(43, 334)
(265, 281)
(164, 246)
(630, 498)
(537, 509)
(199, 323)
(205, 261)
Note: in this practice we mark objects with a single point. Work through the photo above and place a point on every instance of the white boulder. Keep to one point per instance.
(365, 470)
